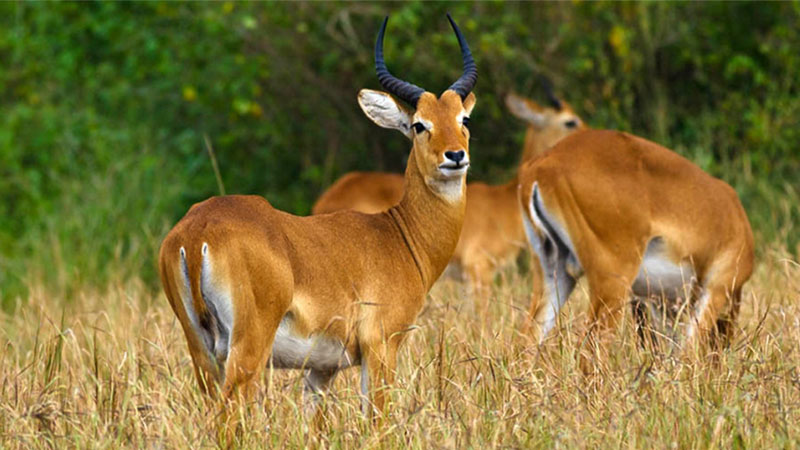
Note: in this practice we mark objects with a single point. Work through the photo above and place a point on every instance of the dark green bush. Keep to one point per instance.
(103, 107)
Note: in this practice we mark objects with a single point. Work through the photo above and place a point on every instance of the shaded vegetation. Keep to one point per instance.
(103, 107)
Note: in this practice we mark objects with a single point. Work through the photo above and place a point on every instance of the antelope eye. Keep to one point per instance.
(419, 127)
(465, 121)
(571, 123)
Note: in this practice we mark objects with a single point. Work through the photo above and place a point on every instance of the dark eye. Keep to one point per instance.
(465, 121)
(419, 127)
(571, 123)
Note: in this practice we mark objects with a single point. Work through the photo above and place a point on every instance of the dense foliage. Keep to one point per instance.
(104, 106)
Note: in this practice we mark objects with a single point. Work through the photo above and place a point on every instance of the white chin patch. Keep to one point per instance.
(453, 173)
(449, 187)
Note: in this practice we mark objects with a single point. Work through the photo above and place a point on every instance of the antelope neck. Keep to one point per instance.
(532, 146)
(429, 225)
(397, 216)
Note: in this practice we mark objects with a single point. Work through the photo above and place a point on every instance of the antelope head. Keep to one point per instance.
(549, 123)
(437, 127)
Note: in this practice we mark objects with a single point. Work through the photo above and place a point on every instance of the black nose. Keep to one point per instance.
(456, 157)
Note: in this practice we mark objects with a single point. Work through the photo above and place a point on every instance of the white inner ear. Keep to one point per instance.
(384, 111)
(469, 103)
(520, 109)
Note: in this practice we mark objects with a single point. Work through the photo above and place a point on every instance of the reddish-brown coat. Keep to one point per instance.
(614, 192)
(357, 278)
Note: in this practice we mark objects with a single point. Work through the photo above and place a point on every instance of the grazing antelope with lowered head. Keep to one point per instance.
(493, 234)
(637, 219)
(253, 286)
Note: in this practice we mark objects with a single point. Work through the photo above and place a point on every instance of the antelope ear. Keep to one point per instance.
(469, 103)
(527, 110)
(385, 111)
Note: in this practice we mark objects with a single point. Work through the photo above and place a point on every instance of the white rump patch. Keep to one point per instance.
(556, 256)
(186, 293)
(219, 304)
(188, 306)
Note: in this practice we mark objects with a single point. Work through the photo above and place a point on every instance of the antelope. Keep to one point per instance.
(252, 285)
(638, 220)
(493, 234)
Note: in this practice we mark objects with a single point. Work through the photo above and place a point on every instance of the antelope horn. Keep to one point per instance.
(406, 91)
(463, 86)
(555, 102)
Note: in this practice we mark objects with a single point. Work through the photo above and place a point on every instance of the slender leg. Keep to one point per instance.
(251, 344)
(365, 403)
(242, 371)
(206, 379)
(643, 322)
(726, 322)
(316, 383)
(552, 286)
(381, 363)
(247, 358)
(205, 369)
(534, 322)
(706, 326)
(607, 295)
(480, 274)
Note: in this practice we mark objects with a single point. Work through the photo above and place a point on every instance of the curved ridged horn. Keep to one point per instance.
(463, 86)
(555, 102)
(406, 91)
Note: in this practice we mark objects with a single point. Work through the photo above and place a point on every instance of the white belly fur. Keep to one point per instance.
(318, 352)
(660, 276)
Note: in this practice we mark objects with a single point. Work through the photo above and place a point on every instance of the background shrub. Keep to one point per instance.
(103, 107)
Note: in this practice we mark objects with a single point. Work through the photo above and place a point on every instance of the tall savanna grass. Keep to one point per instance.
(109, 368)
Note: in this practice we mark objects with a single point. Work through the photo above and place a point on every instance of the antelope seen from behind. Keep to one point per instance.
(252, 285)
(639, 220)
(493, 234)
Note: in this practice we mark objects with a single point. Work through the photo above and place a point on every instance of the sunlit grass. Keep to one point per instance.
(111, 369)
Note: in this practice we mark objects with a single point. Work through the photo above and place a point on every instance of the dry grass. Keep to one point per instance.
(111, 369)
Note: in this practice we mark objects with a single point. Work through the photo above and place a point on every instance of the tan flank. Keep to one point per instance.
(252, 285)
(639, 220)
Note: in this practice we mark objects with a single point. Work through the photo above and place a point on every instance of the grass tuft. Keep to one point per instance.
(111, 369)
